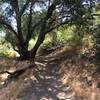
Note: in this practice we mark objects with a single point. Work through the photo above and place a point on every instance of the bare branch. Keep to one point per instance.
(49, 3)
(15, 6)
(9, 27)
(29, 34)
(57, 26)
(95, 14)
(50, 10)
(24, 7)
(32, 30)
(49, 14)
(14, 48)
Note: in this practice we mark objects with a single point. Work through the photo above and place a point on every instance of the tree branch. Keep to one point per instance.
(95, 14)
(32, 30)
(24, 7)
(61, 24)
(29, 33)
(50, 10)
(15, 6)
(9, 27)
(14, 48)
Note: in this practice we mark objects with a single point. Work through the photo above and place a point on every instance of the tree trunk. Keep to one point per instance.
(24, 55)
(23, 51)
(40, 40)
(97, 55)
(28, 55)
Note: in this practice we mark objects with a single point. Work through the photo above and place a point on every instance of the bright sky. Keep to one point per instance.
(2, 34)
(3, 7)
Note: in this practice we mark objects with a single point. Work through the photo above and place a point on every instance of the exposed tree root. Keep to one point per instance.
(15, 75)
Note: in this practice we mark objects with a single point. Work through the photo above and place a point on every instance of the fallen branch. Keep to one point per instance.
(14, 75)
(17, 72)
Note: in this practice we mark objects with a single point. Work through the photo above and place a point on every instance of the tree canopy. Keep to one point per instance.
(21, 20)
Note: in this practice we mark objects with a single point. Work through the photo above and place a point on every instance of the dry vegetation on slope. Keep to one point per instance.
(60, 75)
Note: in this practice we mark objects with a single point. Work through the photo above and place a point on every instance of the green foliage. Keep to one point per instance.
(31, 43)
(95, 28)
(4, 54)
(37, 18)
(64, 35)
(6, 48)
(43, 48)
(96, 34)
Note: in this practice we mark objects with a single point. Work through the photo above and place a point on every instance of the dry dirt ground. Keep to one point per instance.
(53, 78)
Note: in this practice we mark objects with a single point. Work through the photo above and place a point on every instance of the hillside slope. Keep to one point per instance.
(61, 75)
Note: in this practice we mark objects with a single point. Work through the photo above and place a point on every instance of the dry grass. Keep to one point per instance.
(80, 74)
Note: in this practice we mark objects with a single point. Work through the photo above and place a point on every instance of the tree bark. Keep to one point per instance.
(43, 32)
(40, 40)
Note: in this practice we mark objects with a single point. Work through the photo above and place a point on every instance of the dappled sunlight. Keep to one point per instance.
(53, 79)
(80, 75)
(42, 64)
(3, 76)
(41, 83)
(62, 95)
(49, 50)
(61, 76)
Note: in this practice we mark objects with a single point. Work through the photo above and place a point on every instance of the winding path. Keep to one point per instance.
(48, 85)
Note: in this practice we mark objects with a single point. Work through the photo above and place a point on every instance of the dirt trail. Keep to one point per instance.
(50, 79)
(48, 85)
(58, 76)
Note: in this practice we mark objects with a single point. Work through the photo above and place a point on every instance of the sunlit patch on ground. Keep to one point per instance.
(54, 78)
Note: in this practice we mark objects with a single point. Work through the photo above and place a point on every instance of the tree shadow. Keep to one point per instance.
(48, 85)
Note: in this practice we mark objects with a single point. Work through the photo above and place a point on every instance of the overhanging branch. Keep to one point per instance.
(28, 37)
(9, 27)
(29, 33)
(57, 26)
(24, 7)
(95, 14)
(15, 6)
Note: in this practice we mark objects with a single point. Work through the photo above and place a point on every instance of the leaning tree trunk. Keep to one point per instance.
(43, 32)
(40, 40)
